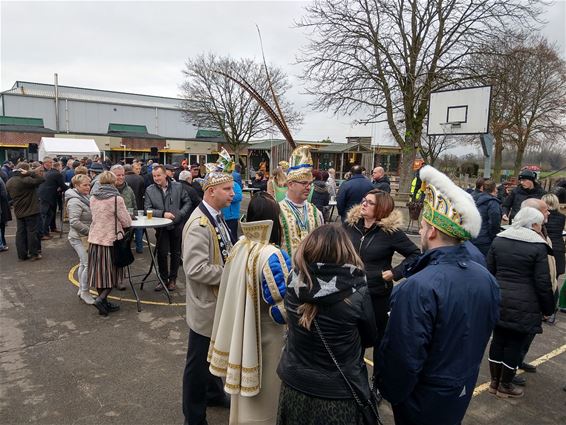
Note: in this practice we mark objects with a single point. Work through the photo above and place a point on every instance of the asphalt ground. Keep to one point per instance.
(62, 363)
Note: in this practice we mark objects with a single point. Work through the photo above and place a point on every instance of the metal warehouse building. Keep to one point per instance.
(122, 124)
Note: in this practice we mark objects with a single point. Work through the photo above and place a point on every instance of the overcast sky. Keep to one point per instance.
(141, 47)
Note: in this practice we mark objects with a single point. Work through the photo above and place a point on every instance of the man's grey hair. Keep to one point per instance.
(528, 216)
(117, 167)
(532, 203)
(185, 176)
(127, 168)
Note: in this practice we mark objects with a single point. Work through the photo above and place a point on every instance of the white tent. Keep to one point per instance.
(52, 146)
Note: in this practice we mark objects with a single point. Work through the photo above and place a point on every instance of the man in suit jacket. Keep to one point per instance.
(207, 242)
(48, 192)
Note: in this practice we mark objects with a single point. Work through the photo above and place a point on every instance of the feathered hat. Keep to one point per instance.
(284, 165)
(300, 165)
(219, 172)
(447, 207)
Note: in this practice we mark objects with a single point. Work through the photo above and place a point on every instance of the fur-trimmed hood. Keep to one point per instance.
(389, 224)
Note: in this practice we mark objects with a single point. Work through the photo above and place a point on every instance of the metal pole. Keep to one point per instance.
(56, 102)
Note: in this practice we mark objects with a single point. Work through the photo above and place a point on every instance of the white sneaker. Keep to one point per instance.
(86, 297)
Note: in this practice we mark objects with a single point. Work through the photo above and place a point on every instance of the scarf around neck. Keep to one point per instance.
(105, 191)
(331, 283)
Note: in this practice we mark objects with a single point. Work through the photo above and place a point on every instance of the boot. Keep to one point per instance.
(506, 389)
(495, 372)
(86, 297)
(110, 306)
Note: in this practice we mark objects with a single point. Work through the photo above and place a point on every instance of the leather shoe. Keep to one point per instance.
(171, 286)
(110, 306)
(158, 288)
(46, 238)
(99, 304)
(519, 380)
(527, 367)
(219, 402)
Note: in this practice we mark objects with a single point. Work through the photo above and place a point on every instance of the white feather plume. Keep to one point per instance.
(460, 199)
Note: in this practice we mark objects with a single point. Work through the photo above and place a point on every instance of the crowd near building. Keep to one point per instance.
(283, 299)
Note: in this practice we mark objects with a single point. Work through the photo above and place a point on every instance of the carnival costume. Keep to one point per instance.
(247, 336)
(448, 306)
(298, 220)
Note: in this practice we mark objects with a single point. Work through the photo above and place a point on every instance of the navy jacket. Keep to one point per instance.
(50, 190)
(351, 192)
(441, 319)
(490, 210)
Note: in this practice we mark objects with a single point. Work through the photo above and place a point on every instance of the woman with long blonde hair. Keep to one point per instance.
(277, 185)
(327, 302)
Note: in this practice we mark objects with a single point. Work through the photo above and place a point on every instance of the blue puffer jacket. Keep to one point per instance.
(490, 210)
(233, 211)
(441, 319)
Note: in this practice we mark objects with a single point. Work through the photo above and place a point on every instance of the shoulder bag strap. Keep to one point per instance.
(358, 401)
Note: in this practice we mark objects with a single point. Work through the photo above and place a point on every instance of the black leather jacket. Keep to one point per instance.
(348, 327)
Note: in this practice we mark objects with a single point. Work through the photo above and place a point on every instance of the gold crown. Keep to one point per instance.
(300, 165)
(439, 212)
(219, 172)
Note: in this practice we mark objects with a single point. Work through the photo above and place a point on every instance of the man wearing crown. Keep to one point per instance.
(298, 216)
(441, 317)
(207, 242)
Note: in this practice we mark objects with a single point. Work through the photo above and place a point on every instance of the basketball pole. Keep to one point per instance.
(487, 147)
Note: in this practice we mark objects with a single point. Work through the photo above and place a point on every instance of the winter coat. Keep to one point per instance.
(78, 211)
(554, 228)
(175, 200)
(351, 192)
(346, 320)
(23, 191)
(54, 184)
(193, 196)
(104, 222)
(128, 194)
(259, 184)
(440, 322)
(320, 195)
(377, 246)
(137, 183)
(489, 208)
(383, 183)
(5, 212)
(518, 260)
(512, 203)
(232, 212)
(331, 185)
(476, 194)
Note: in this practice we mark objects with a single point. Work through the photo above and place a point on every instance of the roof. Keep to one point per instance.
(338, 147)
(26, 88)
(126, 128)
(266, 144)
(31, 122)
(205, 134)
(26, 129)
(64, 146)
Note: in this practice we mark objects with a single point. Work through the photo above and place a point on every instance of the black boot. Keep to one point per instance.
(495, 372)
(506, 388)
(100, 306)
(110, 306)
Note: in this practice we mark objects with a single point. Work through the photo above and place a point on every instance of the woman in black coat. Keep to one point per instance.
(555, 225)
(374, 227)
(320, 194)
(518, 258)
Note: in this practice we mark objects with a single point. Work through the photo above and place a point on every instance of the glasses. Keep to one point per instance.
(368, 202)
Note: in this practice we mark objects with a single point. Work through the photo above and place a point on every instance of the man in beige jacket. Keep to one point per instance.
(207, 242)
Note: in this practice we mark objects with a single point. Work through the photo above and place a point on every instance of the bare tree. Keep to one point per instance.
(383, 57)
(529, 94)
(216, 101)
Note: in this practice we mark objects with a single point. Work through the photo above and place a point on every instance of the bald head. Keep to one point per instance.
(538, 204)
(378, 172)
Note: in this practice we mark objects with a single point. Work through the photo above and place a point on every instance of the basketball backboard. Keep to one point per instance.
(459, 112)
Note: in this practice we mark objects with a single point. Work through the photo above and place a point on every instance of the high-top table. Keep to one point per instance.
(142, 222)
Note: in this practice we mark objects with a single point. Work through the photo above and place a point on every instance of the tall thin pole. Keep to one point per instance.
(56, 102)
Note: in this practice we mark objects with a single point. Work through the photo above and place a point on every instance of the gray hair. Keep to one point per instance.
(117, 167)
(528, 216)
(127, 168)
(184, 175)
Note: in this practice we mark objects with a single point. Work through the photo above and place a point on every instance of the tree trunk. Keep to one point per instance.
(519, 159)
(408, 155)
(498, 159)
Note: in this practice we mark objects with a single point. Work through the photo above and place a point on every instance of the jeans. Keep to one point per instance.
(138, 234)
(47, 214)
(82, 273)
(380, 310)
(2, 244)
(507, 347)
(27, 238)
(3, 234)
(169, 241)
(199, 385)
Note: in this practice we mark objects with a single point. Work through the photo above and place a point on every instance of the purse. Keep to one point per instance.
(366, 406)
(123, 255)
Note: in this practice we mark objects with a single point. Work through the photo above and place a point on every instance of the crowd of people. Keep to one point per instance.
(281, 306)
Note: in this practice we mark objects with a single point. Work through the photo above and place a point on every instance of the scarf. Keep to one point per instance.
(83, 198)
(331, 283)
(105, 191)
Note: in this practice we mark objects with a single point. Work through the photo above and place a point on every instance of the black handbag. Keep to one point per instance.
(123, 255)
(367, 406)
